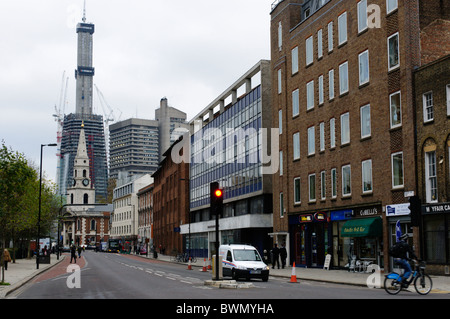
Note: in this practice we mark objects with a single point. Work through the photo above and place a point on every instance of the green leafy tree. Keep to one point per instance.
(19, 200)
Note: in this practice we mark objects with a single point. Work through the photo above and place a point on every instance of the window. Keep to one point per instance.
(279, 81)
(281, 163)
(331, 84)
(281, 205)
(363, 67)
(391, 5)
(323, 188)
(342, 28)
(320, 89)
(312, 187)
(294, 54)
(365, 121)
(448, 99)
(393, 52)
(295, 102)
(332, 133)
(396, 109)
(428, 111)
(322, 136)
(309, 50)
(93, 224)
(366, 167)
(280, 36)
(319, 44)
(280, 121)
(297, 199)
(345, 128)
(346, 180)
(397, 170)
(330, 36)
(333, 183)
(430, 177)
(311, 138)
(310, 95)
(362, 15)
(343, 78)
(296, 144)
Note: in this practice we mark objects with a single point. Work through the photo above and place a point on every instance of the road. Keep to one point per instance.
(114, 276)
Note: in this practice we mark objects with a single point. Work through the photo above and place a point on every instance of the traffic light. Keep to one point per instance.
(415, 207)
(216, 199)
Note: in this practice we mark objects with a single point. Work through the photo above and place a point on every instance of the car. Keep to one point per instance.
(243, 261)
(65, 249)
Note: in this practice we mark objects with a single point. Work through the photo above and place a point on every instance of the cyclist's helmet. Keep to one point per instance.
(404, 237)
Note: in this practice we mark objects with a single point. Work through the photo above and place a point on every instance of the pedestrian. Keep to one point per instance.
(283, 255)
(6, 258)
(73, 254)
(79, 251)
(266, 257)
(275, 256)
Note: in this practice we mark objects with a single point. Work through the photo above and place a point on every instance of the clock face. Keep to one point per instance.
(85, 182)
(74, 182)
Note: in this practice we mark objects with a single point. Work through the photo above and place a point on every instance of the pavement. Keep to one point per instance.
(24, 270)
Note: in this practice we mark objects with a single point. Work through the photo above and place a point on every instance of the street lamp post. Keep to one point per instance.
(39, 216)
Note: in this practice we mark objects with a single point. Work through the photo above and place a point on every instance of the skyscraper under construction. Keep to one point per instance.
(93, 124)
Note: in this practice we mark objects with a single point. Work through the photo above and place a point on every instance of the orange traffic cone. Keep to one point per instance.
(293, 276)
(204, 265)
(189, 264)
(209, 264)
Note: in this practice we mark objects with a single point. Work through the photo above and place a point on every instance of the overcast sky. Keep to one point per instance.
(187, 51)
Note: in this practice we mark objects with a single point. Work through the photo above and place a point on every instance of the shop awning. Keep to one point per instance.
(362, 227)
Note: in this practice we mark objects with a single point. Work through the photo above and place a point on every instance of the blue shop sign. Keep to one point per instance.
(341, 214)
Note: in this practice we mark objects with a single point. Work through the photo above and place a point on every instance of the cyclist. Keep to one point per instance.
(405, 254)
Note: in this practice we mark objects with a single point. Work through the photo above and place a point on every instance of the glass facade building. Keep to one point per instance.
(231, 158)
(226, 146)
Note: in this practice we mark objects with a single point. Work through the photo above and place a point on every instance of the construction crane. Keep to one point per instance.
(59, 118)
(108, 117)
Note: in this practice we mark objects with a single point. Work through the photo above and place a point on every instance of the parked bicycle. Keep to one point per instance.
(183, 258)
(422, 281)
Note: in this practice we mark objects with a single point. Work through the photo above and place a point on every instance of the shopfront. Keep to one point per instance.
(436, 237)
(310, 239)
(398, 215)
(361, 236)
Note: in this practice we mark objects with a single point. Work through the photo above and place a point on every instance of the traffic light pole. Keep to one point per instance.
(216, 206)
(217, 245)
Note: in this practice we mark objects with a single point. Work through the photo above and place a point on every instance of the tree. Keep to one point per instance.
(19, 200)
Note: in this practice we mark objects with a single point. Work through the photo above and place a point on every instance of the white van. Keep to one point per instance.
(243, 261)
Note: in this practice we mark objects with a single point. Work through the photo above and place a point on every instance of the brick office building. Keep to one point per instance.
(432, 92)
(342, 93)
(170, 202)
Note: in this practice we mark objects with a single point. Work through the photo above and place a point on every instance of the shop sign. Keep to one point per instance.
(305, 218)
(397, 210)
(368, 211)
(436, 208)
(341, 215)
(320, 217)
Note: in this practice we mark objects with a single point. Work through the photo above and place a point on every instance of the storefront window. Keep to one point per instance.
(436, 238)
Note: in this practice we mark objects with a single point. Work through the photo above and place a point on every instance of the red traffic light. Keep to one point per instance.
(218, 193)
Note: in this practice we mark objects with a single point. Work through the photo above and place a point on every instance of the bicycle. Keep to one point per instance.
(422, 281)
